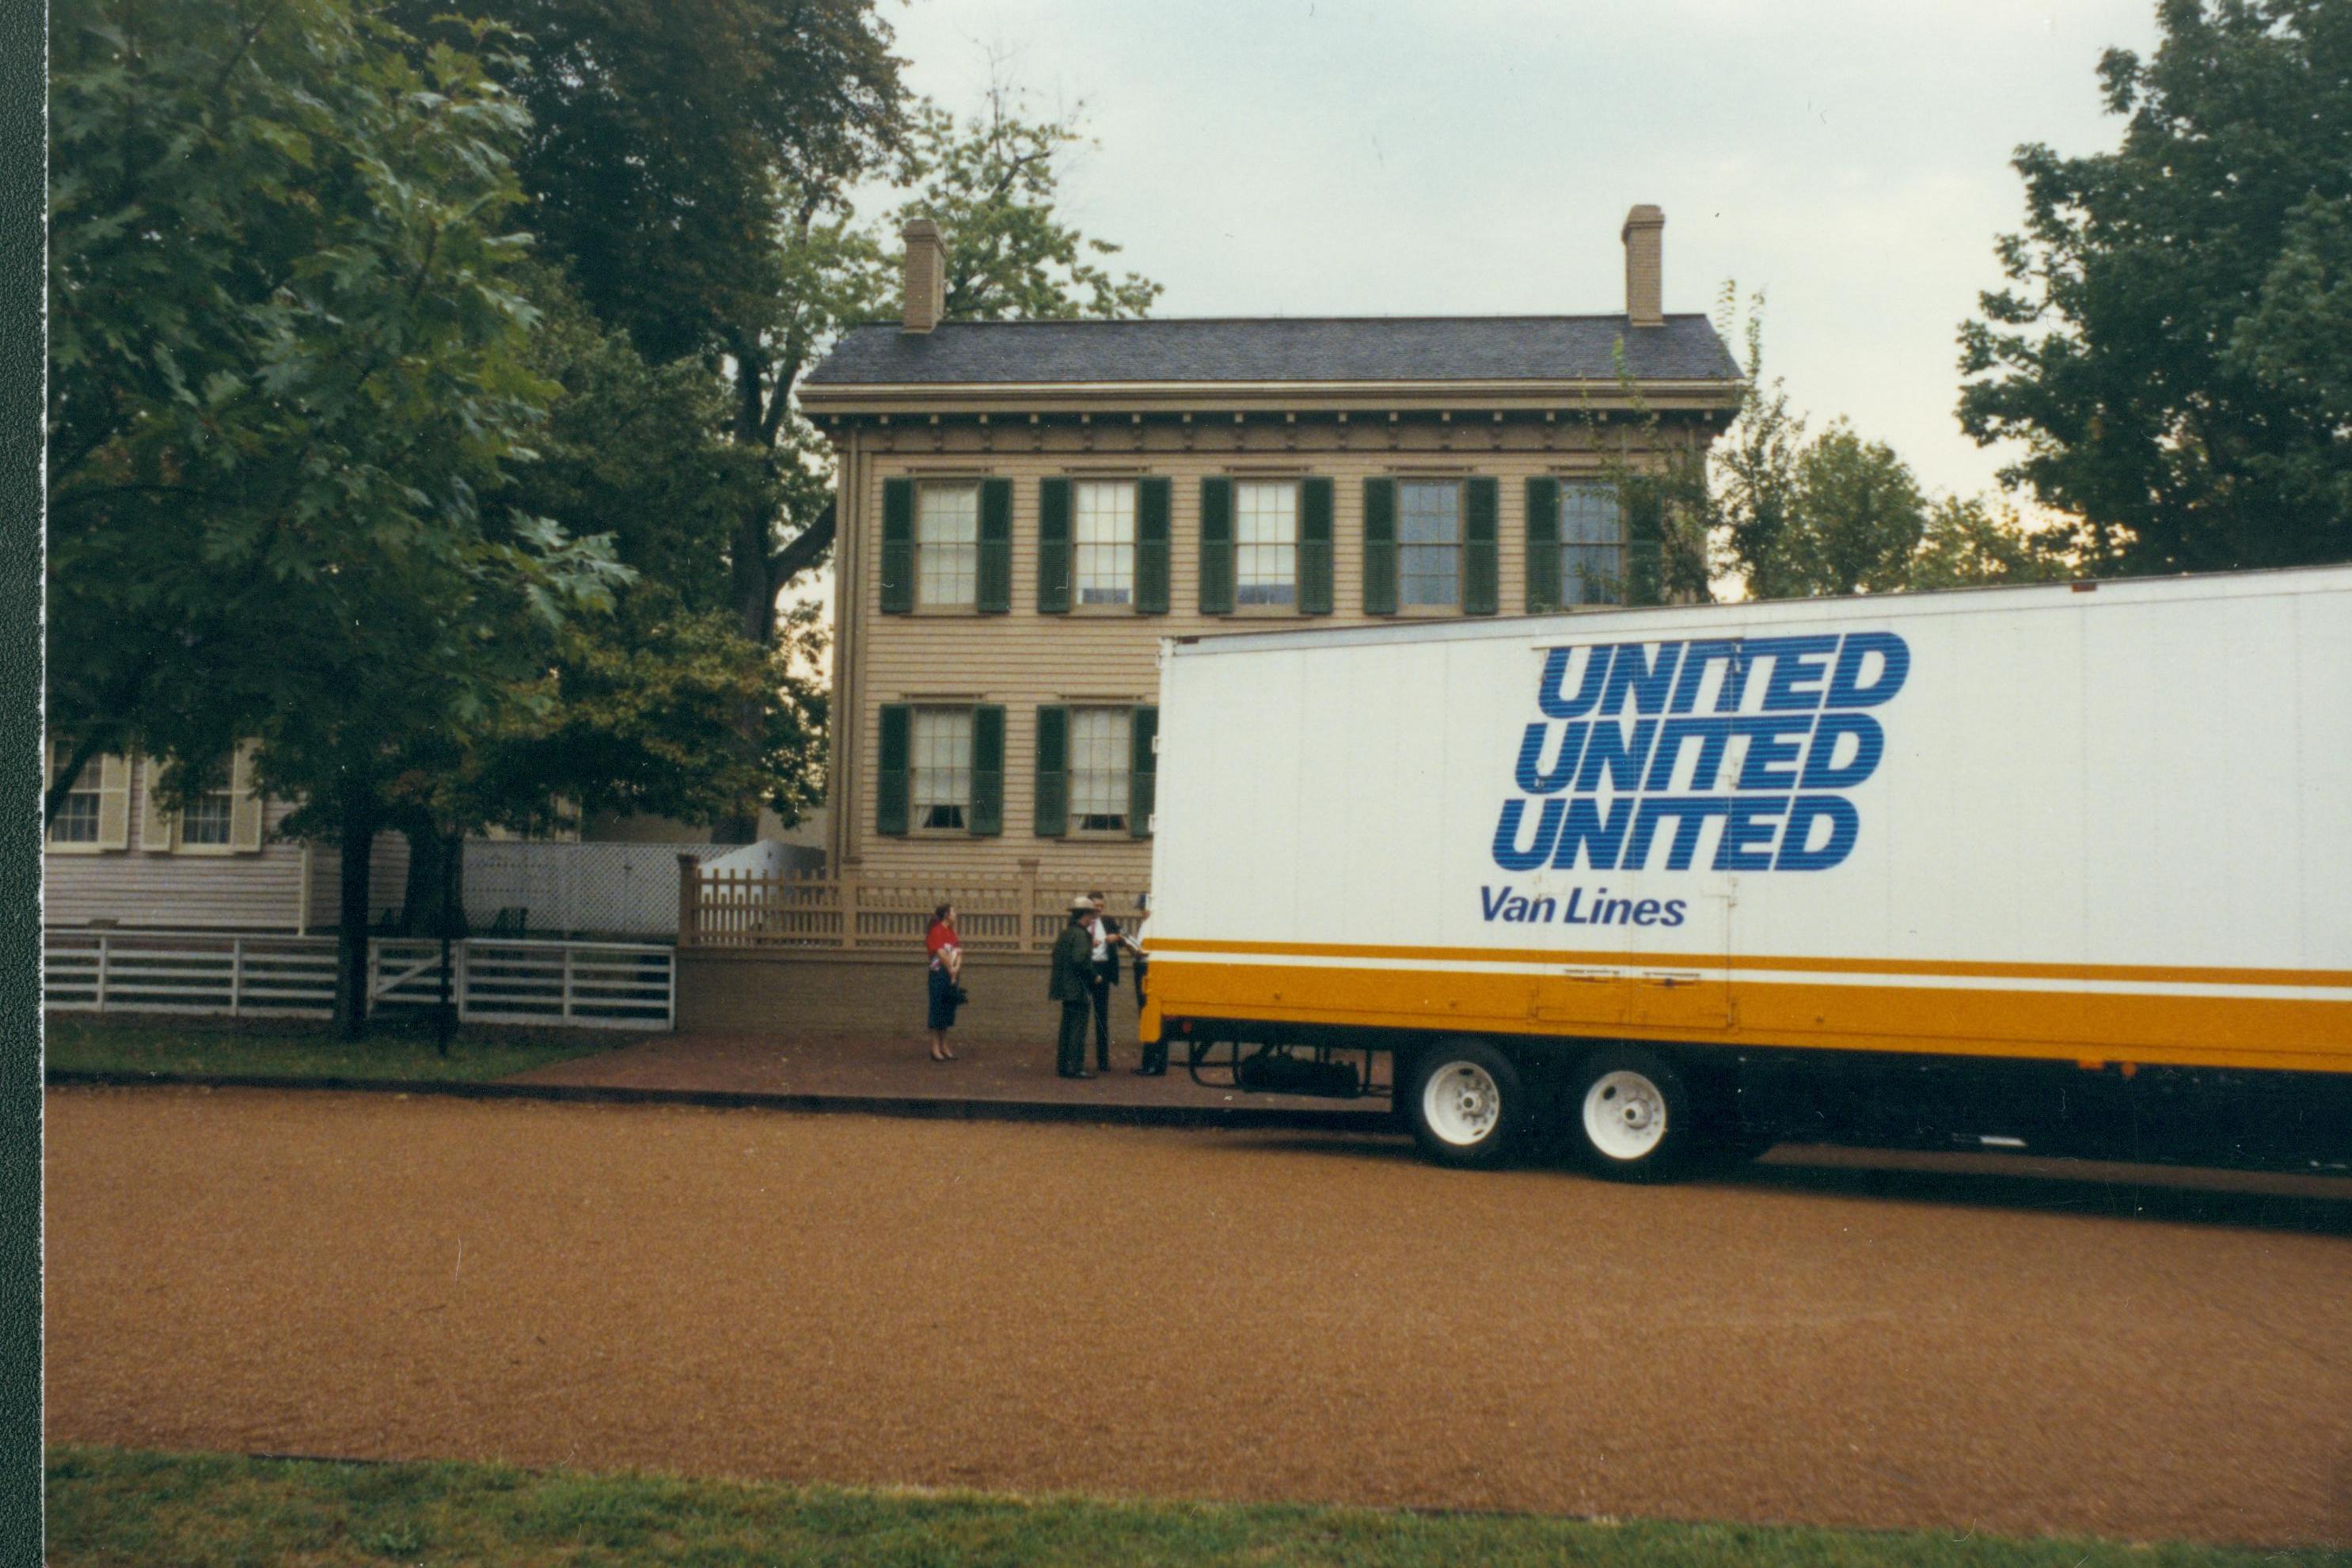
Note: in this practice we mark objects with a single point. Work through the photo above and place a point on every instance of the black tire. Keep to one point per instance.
(1628, 1116)
(1465, 1105)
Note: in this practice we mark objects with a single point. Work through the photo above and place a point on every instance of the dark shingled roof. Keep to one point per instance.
(1279, 349)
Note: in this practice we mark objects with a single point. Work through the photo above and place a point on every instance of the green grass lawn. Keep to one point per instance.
(108, 1506)
(403, 1051)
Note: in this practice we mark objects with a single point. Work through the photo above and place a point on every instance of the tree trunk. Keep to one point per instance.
(762, 402)
(420, 892)
(755, 612)
(427, 899)
(358, 829)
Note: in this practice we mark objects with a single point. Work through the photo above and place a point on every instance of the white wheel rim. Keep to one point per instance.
(1461, 1104)
(1624, 1116)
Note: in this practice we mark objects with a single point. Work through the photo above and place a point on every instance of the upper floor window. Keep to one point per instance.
(940, 781)
(1099, 740)
(1429, 544)
(1591, 545)
(1265, 542)
(1103, 535)
(947, 546)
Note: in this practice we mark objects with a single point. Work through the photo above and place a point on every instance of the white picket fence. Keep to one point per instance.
(575, 985)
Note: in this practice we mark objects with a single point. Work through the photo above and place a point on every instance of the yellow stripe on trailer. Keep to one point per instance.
(2274, 1020)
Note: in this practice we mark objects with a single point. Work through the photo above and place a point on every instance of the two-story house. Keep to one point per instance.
(1027, 508)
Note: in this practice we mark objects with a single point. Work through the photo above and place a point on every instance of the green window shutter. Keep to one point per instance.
(1216, 545)
(1142, 770)
(1053, 547)
(890, 773)
(1053, 816)
(1543, 544)
(1481, 568)
(1644, 548)
(1379, 547)
(987, 814)
(898, 547)
(1315, 546)
(1152, 503)
(992, 594)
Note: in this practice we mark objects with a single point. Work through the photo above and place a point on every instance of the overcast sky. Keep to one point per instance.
(1475, 157)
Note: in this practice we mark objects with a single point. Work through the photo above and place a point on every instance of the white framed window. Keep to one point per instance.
(1265, 542)
(1100, 756)
(939, 771)
(223, 818)
(95, 816)
(77, 820)
(1429, 544)
(1592, 544)
(207, 824)
(947, 546)
(205, 820)
(1102, 540)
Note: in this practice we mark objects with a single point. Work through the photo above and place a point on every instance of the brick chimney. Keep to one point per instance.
(926, 292)
(1641, 233)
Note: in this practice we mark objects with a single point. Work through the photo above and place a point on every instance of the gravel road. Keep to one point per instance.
(1240, 1315)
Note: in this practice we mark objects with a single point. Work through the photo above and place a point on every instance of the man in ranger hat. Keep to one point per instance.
(1068, 984)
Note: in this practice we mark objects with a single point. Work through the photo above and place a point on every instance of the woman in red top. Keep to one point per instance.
(947, 967)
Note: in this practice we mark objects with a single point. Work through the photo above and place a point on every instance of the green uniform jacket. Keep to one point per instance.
(1071, 956)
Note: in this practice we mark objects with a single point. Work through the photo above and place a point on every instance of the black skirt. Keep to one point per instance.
(943, 1002)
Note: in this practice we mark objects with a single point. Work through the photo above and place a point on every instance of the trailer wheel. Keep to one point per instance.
(1464, 1104)
(1630, 1117)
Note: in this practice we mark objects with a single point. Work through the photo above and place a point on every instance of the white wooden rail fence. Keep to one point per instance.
(576, 985)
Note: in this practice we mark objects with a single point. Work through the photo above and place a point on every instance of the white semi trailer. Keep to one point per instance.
(1998, 866)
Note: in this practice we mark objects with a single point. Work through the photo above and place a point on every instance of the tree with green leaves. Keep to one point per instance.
(991, 182)
(287, 377)
(1858, 515)
(694, 176)
(1969, 542)
(2173, 346)
(689, 168)
(639, 706)
(1801, 515)
(1752, 492)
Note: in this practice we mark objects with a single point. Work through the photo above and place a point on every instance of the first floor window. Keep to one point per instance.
(1103, 537)
(1098, 766)
(1591, 545)
(1429, 544)
(76, 821)
(947, 546)
(1265, 543)
(941, 771)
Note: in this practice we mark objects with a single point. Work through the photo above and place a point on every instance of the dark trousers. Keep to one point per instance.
(1070, 1053)
(1098, 994)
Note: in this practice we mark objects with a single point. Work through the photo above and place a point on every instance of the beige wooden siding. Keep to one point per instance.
(1086, 657)
(259, 891)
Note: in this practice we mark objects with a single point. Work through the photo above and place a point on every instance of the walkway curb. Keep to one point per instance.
(916, 1107)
